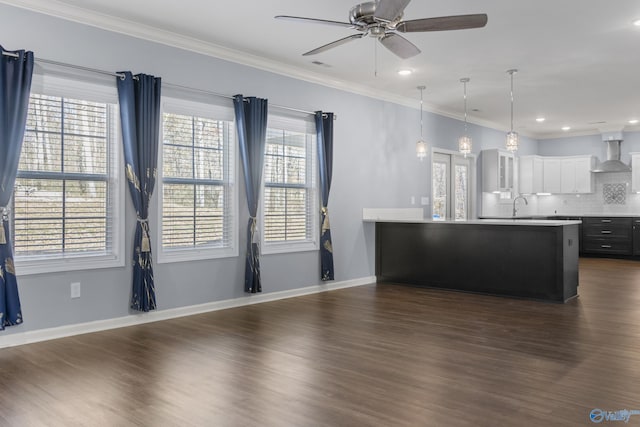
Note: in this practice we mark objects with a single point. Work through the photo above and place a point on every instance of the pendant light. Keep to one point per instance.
(464, 142)
(421, 146)
(512, 137)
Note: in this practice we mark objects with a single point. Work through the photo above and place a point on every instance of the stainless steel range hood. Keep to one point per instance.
(613, 163)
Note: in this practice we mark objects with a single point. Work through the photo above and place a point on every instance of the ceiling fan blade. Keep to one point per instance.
(388, 10)
(314, 21)
(443, 23)
(399, 45)
(333, 44)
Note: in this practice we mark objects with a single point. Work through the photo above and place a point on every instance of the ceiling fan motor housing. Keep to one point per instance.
(362, 16)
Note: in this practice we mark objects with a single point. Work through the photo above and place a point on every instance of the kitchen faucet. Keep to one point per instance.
(520, 196)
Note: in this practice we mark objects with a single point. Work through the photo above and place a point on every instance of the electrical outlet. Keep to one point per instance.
(75, 290)
(424, 201)
(413, 200)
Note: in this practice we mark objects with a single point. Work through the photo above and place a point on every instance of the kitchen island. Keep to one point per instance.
(535, 259)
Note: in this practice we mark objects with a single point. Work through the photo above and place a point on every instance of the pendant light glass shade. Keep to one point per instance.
(421, 149)
(513, 139)
(464, 142)
(464, 145)
(421, 146)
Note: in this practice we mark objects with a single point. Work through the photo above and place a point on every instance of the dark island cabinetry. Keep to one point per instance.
(521, 259)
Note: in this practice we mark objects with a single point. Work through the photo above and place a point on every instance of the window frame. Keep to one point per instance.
(196, 108)
(303, 125)
(95, 90)
(470, 161)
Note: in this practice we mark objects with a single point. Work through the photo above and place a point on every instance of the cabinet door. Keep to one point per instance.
(530, 175)
(538, 175)
(636, 236)
(502, 171)
(635, 172)
(583, 175)
(568, 176)
(525, 169)
(510, 170)
(552, 175)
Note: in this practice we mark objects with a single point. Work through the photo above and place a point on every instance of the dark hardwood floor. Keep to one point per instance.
(377, 355)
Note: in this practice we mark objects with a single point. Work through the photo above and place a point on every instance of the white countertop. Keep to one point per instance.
(531, 222)
(603, 215)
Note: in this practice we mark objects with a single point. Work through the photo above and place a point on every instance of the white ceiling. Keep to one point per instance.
(578, 59)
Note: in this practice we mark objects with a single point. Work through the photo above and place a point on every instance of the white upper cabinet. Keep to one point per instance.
(539, 174)
(497, 170)
(568, 175)
(531, 174)
(552, 175)
(576, 174)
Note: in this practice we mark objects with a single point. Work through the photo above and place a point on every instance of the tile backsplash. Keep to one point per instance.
(612, 195)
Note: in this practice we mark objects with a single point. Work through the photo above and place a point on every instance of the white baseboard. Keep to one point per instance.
(29, 337)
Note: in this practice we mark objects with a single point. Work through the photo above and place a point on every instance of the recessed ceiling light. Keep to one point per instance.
(633, 121)
(566, 128)
(540, 119)
(636, 22)
(405, 72)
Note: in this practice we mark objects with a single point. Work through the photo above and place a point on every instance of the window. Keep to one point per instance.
(290, 198)
(451, 178)
(66, 196)
(198, 194)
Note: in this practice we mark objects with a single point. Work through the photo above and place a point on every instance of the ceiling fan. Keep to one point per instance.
(382, 19)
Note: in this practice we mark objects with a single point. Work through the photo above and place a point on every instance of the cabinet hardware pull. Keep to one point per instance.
(606, 231)
(606, 220)
(605, 246)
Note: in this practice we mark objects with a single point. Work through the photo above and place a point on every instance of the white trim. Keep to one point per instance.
(312, 243)
(29, 337)
(289, 247)
(189, 108)
(60, 262)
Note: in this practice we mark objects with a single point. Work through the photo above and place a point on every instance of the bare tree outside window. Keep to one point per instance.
(61, 197)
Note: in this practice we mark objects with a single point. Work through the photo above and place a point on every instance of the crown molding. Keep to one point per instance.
(111, 23)
(568, 134)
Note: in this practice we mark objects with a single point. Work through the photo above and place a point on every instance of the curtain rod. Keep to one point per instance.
(175, 86)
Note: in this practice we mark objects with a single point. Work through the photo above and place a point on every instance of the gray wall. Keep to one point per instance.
(374, 166)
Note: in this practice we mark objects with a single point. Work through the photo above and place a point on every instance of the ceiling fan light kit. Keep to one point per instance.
(382, 20)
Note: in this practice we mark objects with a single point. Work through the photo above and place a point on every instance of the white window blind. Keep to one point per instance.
(290, 197)
(198, 192)
(66, 190)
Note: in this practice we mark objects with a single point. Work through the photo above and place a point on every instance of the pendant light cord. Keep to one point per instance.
(465, 104)
(512, 72)
(422, 88)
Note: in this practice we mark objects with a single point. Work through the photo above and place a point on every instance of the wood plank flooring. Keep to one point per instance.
(377, 355)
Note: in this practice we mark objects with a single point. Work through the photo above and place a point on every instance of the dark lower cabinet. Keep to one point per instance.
(607, 235)
(636, 236)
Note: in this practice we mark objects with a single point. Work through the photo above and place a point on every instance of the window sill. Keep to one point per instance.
(192, 254)
(27, 267)
(282, 248)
